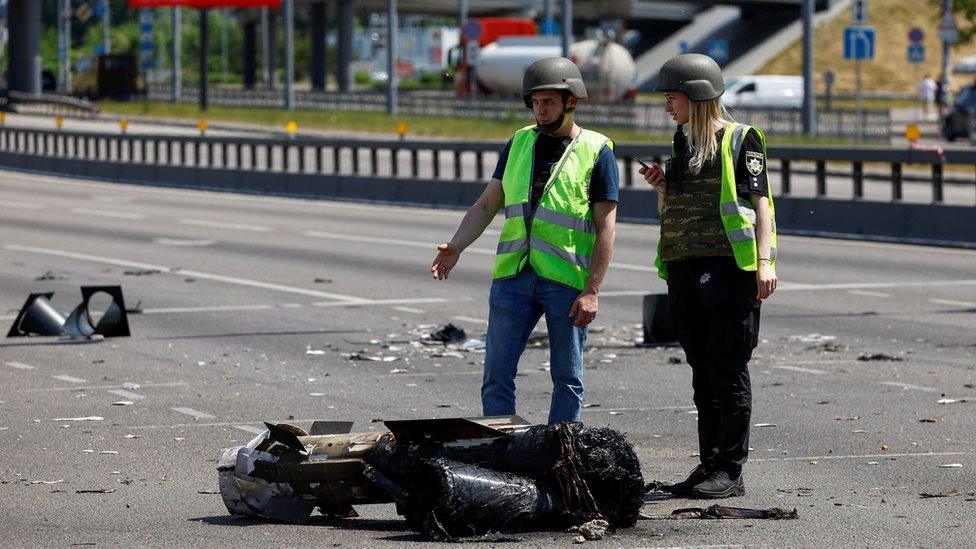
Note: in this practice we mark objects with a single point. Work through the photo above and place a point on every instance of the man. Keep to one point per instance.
(557, 183)
(926, 94)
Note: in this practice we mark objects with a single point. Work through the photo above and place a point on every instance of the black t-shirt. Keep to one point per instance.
(604, 180)
(750, 167)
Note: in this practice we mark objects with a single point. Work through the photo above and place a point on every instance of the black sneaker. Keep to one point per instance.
(718, 484)
(683, 488)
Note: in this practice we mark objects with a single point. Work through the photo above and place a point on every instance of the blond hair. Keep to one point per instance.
(705, 119)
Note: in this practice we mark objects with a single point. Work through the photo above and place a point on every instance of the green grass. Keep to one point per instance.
(381, 123)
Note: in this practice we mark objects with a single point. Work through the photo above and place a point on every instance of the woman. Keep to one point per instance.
(717, 253)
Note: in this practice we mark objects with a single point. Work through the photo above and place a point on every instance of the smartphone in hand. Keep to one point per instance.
(654, 166)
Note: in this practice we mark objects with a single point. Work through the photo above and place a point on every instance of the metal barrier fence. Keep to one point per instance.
(648, 116)
(452, 174)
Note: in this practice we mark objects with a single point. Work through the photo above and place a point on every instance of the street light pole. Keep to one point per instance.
(809, 99)
(177, 76)
(391, 45)
(288, 14)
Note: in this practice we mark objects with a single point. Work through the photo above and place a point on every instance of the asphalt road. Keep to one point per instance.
(236, 290)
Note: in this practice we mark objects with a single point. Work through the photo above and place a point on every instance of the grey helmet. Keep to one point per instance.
(552, 73)
(697, 75)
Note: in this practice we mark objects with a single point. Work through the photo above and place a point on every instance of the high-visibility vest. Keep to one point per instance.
(738, 215)
(561, 235)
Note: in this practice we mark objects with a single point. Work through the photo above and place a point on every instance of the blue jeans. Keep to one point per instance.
(515, 306)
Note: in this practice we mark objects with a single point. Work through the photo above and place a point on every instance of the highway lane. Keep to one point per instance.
(249, 285)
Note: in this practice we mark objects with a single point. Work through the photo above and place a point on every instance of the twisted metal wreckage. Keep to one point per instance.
(449, 478)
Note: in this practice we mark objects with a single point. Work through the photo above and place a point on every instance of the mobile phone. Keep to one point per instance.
(651, 166)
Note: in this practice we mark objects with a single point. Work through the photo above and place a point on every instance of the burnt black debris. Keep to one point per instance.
(449, 334)
(723, 512)
(451, 479)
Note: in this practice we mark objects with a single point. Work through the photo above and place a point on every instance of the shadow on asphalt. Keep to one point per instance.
(35, 342)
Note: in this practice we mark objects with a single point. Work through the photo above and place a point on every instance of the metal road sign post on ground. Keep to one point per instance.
(916, 56)
(858, 45)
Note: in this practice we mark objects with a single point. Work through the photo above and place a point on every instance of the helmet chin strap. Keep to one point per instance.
(552, 126)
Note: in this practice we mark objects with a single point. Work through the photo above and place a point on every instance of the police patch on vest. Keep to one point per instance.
(754, 162)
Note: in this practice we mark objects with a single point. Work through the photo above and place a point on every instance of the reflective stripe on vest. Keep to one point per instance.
(561, 235)
(738, 214)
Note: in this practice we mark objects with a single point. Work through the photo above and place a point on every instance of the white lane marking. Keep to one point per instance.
(470, 319)
(799, 369)
(222, 225)
(251, 429)
(433, 374)
(865, 456)
(106, 213)
(173, 384)
(910, 386)
(194, 413)
(787, 286)
(199, 242)
(433, 247)
(70, 379)
(410, 310)
(20, 365)
(113, 199)
(186, 272)
(391, 301)
(212, 309)
(868, 293)
(21, 205)
(291, 305)
(127, 394)
(953, 302)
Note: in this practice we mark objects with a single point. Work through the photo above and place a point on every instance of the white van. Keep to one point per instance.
(764, 91)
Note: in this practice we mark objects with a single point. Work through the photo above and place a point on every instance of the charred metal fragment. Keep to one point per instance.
(113, 323)
(451, 478)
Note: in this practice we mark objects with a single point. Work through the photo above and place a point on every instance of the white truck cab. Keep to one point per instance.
(764, 91)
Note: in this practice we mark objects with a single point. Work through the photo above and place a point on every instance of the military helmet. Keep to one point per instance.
(697, 75)
(552, 73)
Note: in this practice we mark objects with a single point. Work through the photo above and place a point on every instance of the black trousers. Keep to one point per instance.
(715, 313)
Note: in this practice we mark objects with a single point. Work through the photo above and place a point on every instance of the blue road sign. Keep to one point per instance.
(859, 43)
(99, 10)
(916, 53)
(916, 36)
(548, 27)
(718, 50)
(100, 49)
(471, 30)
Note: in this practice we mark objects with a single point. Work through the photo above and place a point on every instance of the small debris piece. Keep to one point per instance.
(109, 452)
(951, 466)
(398, 371)
(722, 512)
(952, 400)
(866, 357)
(594, 529)
(616, 413)
(141, 272)
(360, 356)
(130, 386)
(949, 494)
(96, 491)
(448, 354)
(50, 275)
(657, 486)
(316, 394)
(314, 352)
(594, 405)
(675, 360)
(883, 448)
(208, 491)
(812, 338)
(322, 281)
(473, 344)
(47, 481)
(86, 418)
(935, 419)
(828, 347)
(123, 403)
(579, 539)
(449, 334)
(130, 435)
(764, 425)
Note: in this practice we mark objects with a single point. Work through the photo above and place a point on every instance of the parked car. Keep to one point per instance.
(111, 76)
(764, 91)
(958, 121)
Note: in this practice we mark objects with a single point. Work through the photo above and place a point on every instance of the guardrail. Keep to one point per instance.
(649, 116)
(452, 173)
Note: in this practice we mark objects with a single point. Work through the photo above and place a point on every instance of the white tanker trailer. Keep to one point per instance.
(608, 69)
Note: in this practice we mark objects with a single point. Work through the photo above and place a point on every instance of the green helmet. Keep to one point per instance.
(552, 73)
(697, 75)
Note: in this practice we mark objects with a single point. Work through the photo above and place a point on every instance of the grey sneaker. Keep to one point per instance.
(683, 488)
(718, 485)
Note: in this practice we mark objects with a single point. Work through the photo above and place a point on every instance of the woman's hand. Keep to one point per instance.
(653, 176)
(765, 280)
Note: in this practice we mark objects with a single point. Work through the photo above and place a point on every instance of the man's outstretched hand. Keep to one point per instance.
(447, 258)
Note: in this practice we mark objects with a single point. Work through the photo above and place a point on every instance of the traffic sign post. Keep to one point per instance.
(948, 33)
(859, 12)
(916, 54)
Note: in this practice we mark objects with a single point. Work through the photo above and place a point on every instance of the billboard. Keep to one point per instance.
(204, 3)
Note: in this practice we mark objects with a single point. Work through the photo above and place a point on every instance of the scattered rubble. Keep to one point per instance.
(949, 494)
(722, 512)
(868, 357)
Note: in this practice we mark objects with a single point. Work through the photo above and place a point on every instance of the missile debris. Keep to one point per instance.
(449, 478)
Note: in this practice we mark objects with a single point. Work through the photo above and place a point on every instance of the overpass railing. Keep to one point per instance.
(902, 195)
